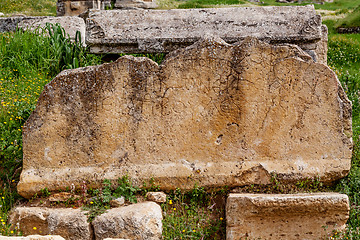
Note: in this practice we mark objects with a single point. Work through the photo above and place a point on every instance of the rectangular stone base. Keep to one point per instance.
(285, 216)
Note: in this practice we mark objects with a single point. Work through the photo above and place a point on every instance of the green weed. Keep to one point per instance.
(195, 214)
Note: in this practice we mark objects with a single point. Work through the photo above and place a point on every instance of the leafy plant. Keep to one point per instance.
(126, 189)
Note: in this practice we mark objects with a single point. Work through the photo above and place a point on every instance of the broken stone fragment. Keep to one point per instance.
(213, 113)
(285, 216)
(118, 202)
(141, 221)
(69, 223)
(158, 197)
(62, 197)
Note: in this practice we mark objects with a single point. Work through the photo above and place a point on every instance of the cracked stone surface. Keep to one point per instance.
(68, 223)
(133, 31)
(214, 114)
(141, 221)
(285, 216)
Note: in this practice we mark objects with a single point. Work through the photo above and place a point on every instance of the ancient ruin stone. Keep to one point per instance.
(118, 202)
(33, 237)
(67, 222)
(78, 7)
(135, 4)
(70, 24)
(158, 197)
(132, 31)
(62, 197)
(212, 113)
(285, 216)
(141, 221)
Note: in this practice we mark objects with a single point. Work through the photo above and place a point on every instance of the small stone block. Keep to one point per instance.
(67, 222)
(137, 221)
(159, 197)
(117, 202)
(285, 216)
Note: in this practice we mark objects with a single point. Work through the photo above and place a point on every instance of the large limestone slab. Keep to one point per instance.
(67, 222)
(142, 221)
(70, 24)
(132, 31)
(213, 114)
(285, 216)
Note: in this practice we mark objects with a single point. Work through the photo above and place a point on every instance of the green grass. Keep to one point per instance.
(28, 60)
(336, 5)
(351, 20)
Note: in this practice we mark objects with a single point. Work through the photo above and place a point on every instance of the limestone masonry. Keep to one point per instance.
(133, 31)
(141, 221)
(285, 216)
(212, 113)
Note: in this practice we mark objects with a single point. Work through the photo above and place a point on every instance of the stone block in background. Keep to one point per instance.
(134, 31)
(79, 7)
(69, 223)
(135, 4)
(70, 24)
(214, 114)
(285, 216)
(142, 221)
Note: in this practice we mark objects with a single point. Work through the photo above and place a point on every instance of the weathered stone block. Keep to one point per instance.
(285, 216)
(79, 7)
(132, 31)
(33, 237)
(142, 221)
(135, 4)
(66, 222)
(213, 114)
(158, 197)
(70, 24)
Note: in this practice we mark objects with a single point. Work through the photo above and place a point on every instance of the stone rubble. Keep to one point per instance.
(136, 221)
(158, 197)
(142, 221)
(69, 223)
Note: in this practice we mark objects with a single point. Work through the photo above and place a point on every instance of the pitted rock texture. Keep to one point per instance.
(212, 113)
(132, 31)
(33, 237)
(142, 221)
(69, 223)
(285, 216)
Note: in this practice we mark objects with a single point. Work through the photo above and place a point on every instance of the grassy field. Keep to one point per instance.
(28, 61)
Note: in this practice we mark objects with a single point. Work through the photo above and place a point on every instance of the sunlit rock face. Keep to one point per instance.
(214, 114)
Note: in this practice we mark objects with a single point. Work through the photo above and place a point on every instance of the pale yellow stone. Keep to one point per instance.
(67, 222)
(285, 216)
(213, 114)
